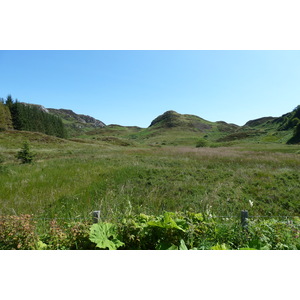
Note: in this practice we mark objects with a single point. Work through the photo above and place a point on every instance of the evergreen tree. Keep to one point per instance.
(9, 101)
(25, 155)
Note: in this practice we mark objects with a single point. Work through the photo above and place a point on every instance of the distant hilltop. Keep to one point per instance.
(169, 128)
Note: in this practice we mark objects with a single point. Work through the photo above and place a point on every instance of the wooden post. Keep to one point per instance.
(96, 216)
(244, 218)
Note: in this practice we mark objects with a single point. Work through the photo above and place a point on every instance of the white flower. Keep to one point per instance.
(251, 203)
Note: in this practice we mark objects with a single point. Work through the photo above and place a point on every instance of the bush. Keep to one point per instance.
(202, 143)
(274, 235)
(67, 236)
(18, 232)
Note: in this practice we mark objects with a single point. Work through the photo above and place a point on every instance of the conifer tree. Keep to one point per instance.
(25, 155)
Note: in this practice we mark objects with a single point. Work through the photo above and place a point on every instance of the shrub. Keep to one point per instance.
(202, 143)
(274, 235)
(67, 236)
(18, 232)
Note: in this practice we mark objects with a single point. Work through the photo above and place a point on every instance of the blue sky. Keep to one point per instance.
(134, 87)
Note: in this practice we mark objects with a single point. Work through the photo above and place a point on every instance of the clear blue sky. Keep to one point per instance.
(134, 87)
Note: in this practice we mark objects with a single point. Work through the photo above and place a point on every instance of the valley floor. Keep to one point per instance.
(70, 179)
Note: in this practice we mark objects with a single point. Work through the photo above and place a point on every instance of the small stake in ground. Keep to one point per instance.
(244, 218)
(96, 216)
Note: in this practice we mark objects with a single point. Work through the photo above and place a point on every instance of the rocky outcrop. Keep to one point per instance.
(69, 115)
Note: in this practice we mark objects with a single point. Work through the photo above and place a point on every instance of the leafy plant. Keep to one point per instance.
(104, 235)
(182, 245)
(166, 222)
(41, 246)
(273, 234)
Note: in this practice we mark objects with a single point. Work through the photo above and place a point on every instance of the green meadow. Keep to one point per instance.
(72, 178)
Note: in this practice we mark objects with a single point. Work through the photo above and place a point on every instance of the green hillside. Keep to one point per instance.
(284, 129)
(170, 128)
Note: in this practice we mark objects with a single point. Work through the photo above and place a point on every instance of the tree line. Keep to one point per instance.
(22, 116)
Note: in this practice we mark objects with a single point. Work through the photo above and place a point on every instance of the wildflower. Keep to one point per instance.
(251, 203)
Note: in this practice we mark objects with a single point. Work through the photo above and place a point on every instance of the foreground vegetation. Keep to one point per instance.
(169, 231)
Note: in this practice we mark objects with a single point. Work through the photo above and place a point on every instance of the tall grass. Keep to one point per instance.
(71, 180)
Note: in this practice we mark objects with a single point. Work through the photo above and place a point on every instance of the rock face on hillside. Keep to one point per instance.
(41, 107)
(69, 115)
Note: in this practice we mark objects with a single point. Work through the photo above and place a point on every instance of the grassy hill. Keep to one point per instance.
(269, 129)
(170, 128)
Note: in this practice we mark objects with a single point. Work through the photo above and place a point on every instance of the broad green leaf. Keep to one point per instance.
(182, 245)
(173, 247)
(166, 222)
(220, 247)
(104, 236)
